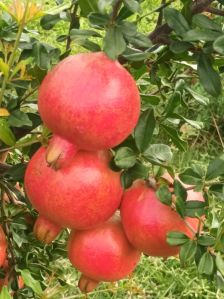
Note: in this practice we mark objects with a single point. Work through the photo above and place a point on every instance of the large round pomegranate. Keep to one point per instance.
(90, 100)
(102, 254)
(3, 247)
(80, 194)
(147, 221)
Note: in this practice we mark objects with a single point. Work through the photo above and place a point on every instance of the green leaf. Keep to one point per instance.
(172, 133)
(6, 135)
(209, 78)
(215, 168)
(88, 6)
(176, 20)
(192, 176)
(204, 22)
(132, 5)
(140, 41)
(138, 171)
(198, 97)
(87, 44)
(195, 35)
(206, 241)
(98, 19)
(218, 45)
(179, 189)
(5, 293)
(135, 55)
(19, 119)
(144, 130)
(206, 264)
(129, 29)
(48, 21)
(194, 208)
(176, 238)
(31, 282)
(188, 251)
(164, 195)
(83, 33)
(114, 43)
(195, 124)
(149, 100)
(219, 263)
(178, 47)
(125, 158)
(173, 103)
(159, 153)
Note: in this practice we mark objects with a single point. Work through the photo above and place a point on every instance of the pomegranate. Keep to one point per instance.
(147, 221)
(102, 254)
(3, 247)
(46, 231)
(90, 100)
(80, 194)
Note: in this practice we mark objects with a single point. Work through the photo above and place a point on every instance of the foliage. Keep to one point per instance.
(178, 68)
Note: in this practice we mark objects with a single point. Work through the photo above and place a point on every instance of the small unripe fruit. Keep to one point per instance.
(45, 230)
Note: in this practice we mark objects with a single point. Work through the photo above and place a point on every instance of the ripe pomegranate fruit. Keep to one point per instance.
(80, 194)
(46, 231)
(90, 100)
(102, 254)
(147, 221)
(3, 247)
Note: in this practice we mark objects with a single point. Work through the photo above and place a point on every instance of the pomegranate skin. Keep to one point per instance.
(90, 100)
(103, 253)
(3, 247)
(80, 195)
(147, 221)
(46, 231)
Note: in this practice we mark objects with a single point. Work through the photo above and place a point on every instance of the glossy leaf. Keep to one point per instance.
(209, 78)
(174, 136)
(114, 43)
(125, 158)
(144, 130)
(6, 135)
(176, 238)
(176, 20)
(206, 264)
(164, 195)
(188, 251)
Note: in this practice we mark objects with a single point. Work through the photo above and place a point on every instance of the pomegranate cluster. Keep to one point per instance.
(92, 104)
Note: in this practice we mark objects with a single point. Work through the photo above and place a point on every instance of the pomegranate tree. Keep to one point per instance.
(147, 221)
(90, 100)
(102, 254)
(80, 194)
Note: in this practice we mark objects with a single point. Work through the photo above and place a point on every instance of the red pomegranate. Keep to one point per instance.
(3, 247)
(147, 221)
(102, 254)
(46, 231)
(80, 194)
(90, 100)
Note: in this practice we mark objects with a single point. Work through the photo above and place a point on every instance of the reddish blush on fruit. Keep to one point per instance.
(81, 194)
(147, 221)
(102, 254)
(90, 100)
(45, 230)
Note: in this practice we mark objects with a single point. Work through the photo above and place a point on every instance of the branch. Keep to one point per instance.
(160, 17)
(215, 11)
(72, 25)
(160, 34)
(116, 9)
